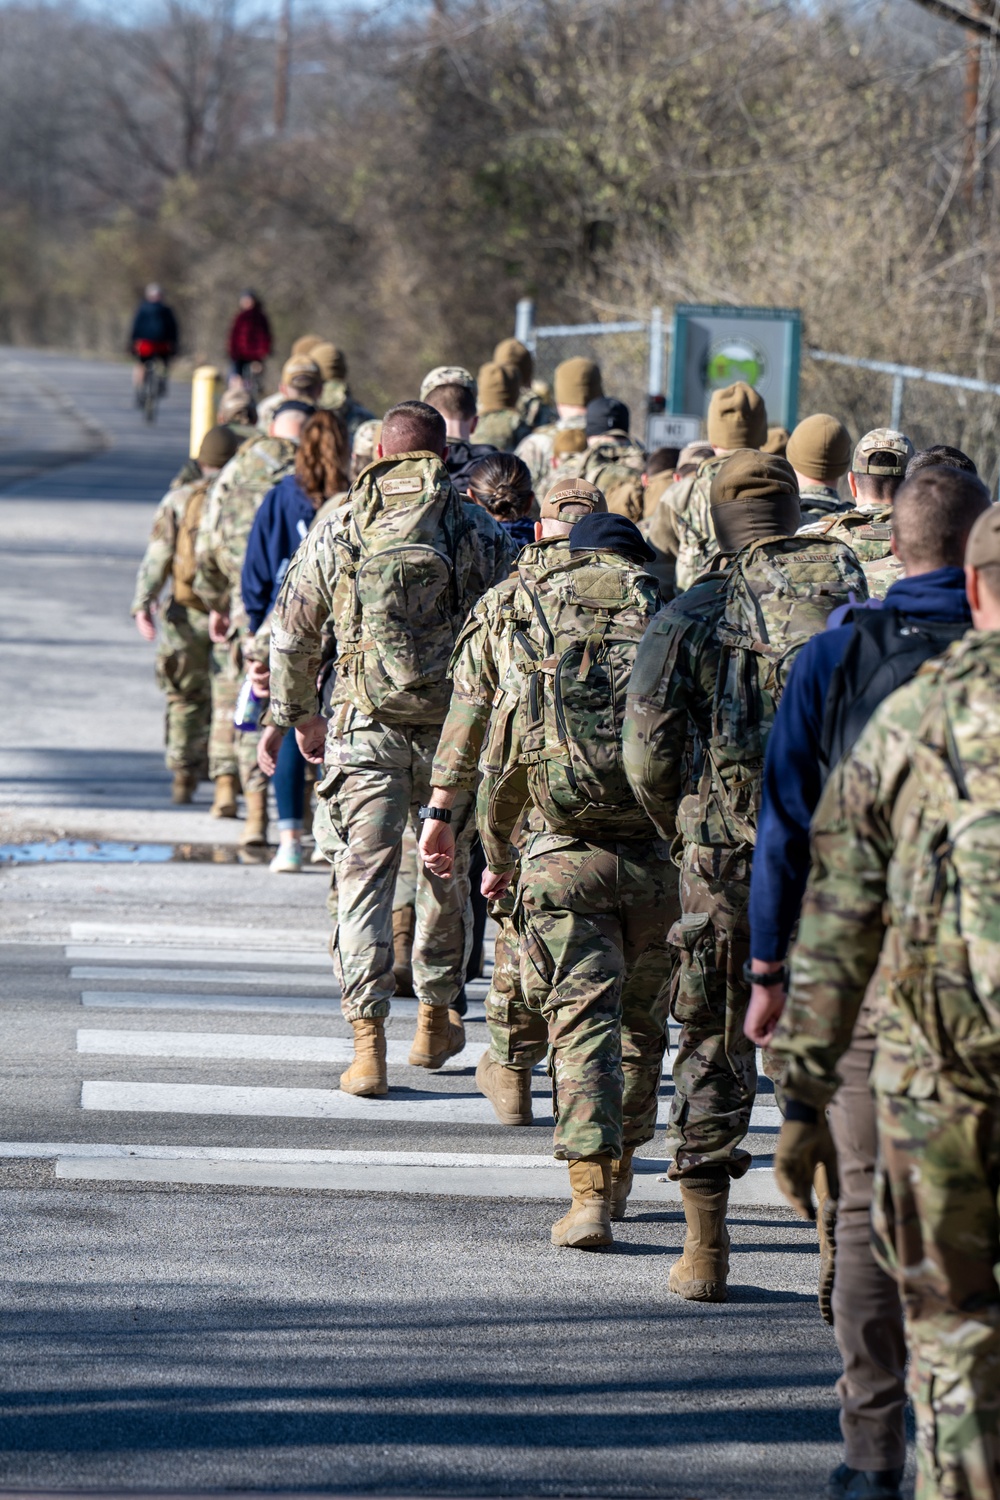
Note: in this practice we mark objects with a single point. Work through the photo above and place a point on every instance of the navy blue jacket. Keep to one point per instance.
(792, 774)
(285, 515)
(156, 322)
(521, 531)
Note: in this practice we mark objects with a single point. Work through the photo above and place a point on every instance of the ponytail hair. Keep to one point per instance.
(501, 484)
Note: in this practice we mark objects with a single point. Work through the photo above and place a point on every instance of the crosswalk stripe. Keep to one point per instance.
(163, 975)
(314, 957)
(317, 1104)
(252, 1046)
(264, 1004)
(130, 933)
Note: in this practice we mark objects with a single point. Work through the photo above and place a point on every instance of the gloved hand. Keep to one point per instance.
(802, 1146)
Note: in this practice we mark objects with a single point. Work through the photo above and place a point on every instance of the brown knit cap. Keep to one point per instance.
(776, 441)
(569, 440)
(577, 382)
(820, 447)
(983, 546)
(218, 446)
(513, 354)
(569, 499)
(737, 417)
(331, 361)
(306, 344)
(754, 495)
(498, 387)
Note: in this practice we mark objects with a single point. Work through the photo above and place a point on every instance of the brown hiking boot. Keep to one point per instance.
(226, 791)
(621, 1184)
(587, 1226)
(255, 827)
(440, 1035)
(367, 1075)
(700, 1274)
(404, 925)
(826, 1228)
(184, 787)
(507, 1089)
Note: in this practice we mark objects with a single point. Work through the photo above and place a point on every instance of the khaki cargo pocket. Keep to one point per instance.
(694, 938)
(537, 969)
(328, 826)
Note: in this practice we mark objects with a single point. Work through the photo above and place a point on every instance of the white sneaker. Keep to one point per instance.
(287, 861)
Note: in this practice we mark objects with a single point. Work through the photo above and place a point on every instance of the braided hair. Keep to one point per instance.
(501, 484)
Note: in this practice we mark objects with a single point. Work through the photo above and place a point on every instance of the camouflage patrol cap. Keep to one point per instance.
(569, 499)
(569, 440)
(578, 382)
(694, 453)
(498, 387)
(367, 438)
(515, 356)
(300, 373)
(737, 417)
(983, 546)
(235, 404)
(306, 344)
(447, 375)
(331, 361)
(883, 440)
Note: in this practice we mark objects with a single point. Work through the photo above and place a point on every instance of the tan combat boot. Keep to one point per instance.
(507, 1089)
(404, 925)
(367, 1075)
(588, 1223)
(826, 1228)
(185, 786)
(255, 826)
(700, 1274)
(621, 1184)
(226, 791)
(440, 1035)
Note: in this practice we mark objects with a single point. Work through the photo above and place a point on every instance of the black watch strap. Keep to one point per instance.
(771, 981)
(440, 814)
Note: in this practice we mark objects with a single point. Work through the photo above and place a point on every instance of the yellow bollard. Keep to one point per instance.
(206, 392)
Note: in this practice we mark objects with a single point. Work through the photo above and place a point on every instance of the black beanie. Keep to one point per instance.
(605, 414)
(610, 533)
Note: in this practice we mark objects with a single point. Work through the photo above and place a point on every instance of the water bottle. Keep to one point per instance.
(249, 708)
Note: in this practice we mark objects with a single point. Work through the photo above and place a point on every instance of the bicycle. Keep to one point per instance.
(153, 387)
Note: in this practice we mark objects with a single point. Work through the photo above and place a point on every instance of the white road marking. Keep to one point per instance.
(263, 1004)
(163, 975)
(253, 1046)
(311, 956)
(318, 1104)
(131, 933)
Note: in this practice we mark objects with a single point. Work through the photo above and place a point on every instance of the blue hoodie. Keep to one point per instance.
(792, 776)
(284, 517)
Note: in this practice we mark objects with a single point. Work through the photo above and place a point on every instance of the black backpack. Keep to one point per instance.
(885, 651)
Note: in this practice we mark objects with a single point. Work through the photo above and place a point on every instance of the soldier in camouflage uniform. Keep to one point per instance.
(658, 526)
(533, 396)
(482, 661)
(226, 523)
(819, 450)
(904, 882)
(376, 573)
(301, 380)
(500, 423)
(577, 382)
(614, 461)
(736, 419)
(877, 470)
(710, 670)
(597, 892)
(336, 394)
(185, 657)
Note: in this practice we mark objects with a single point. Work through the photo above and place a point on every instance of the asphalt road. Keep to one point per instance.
(221, 1272)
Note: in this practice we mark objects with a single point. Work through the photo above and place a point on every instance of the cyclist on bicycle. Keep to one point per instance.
(249, 340)
(154, 334)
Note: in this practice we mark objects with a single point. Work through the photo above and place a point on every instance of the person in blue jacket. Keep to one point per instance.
(285, 515)
(835, 684)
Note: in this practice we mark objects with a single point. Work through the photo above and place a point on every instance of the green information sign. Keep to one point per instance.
(715, 346)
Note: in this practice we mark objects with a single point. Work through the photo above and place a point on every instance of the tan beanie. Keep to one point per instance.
(577, 382)
(776, 441)
(820, 447)
(754, 495)
(218, 446)
(737, 417)
(498, 387)
(513, 354)
(306, 344)
(331, 361)
(569, 499)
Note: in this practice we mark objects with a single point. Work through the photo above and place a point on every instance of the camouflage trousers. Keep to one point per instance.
(715, 1068)
(937, 1230)
(519, 1036)
(184, 674)
(595, 961)
(230, 751)
(406, 880)
(377, 777)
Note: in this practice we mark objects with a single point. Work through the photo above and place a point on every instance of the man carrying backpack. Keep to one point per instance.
(596, 890)
(393, 573)
(838, 681)
(905, 883)
(711, 669)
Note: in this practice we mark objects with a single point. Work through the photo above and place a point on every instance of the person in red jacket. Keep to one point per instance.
(249, 337)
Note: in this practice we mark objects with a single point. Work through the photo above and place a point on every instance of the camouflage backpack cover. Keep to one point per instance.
(406, 552)
(556, 737)
(869, 534)
(617, 469)
(185, 563)
(777, 593)
(941, 961)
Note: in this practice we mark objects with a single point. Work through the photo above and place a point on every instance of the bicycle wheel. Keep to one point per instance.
(150, 390)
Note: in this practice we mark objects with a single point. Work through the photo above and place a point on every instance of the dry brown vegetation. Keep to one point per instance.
(442, 160)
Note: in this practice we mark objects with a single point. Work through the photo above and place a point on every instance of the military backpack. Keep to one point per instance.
(185, 563)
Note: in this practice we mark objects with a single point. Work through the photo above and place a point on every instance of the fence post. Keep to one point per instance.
(524, 323)
(656, 352)
(896, 414)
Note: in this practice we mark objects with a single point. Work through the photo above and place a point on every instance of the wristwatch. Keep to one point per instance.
(770, 981)
(442, 814)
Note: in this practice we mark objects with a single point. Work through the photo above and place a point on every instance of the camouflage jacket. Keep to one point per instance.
(189, 471)
(228, 516)
(158, 560)
(536, 449)
(502, 429)
(481, 662)
(534, 410)
(303, 614)
(869, 531)
(336, 396)
(691, 503)
(905, 854)
(818, 502)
